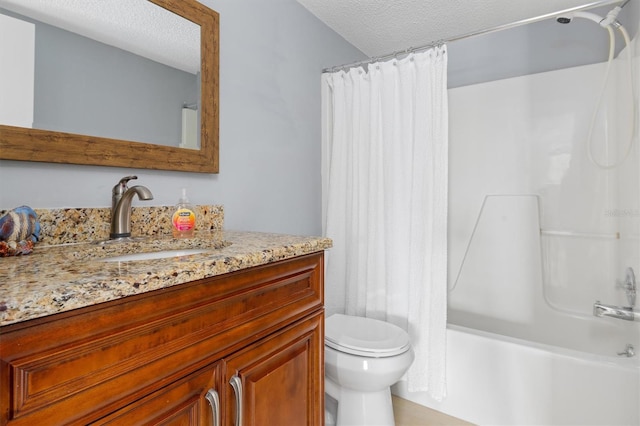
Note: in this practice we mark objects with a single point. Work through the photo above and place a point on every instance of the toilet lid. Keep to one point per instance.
(365, 336)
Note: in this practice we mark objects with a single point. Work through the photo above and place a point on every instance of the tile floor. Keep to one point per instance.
(407, 413)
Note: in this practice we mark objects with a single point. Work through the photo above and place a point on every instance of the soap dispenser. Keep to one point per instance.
(183, 220)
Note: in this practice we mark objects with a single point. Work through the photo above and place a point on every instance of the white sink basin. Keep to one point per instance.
(155, 255)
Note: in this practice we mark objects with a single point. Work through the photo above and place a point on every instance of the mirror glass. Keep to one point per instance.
(111, 74)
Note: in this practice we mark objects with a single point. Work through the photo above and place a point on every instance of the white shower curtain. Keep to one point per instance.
(384, 184)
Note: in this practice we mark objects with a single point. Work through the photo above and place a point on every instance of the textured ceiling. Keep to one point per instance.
(380, 27)
(137, 26)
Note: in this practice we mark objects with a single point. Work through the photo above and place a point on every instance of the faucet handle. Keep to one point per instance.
(630, 286)
(121, 186)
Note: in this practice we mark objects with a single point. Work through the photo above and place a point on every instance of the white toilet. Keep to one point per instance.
(363, 358)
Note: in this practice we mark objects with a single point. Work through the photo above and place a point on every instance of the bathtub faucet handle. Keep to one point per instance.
(630, 287)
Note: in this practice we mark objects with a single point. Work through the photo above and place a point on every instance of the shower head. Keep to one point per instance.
(610, 19)
(565, 19)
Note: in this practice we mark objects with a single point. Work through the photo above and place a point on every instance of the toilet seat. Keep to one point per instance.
(365, 337)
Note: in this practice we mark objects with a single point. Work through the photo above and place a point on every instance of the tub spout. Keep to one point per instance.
(623, 313)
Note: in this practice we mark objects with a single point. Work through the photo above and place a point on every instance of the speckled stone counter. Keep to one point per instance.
(59, 278)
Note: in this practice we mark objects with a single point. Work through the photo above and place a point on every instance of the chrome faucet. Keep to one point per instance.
(627, 313)
(121, 199)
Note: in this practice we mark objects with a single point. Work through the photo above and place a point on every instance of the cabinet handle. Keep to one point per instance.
(236, 384)
(214, 402)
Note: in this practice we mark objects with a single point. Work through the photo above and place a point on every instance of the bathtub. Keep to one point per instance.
(523, 346)
(494, 379)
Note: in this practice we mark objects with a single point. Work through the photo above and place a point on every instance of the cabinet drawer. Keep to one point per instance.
(181, 403)
(82, 365)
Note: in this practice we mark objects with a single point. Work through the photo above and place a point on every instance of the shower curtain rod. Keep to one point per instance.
(469, 35)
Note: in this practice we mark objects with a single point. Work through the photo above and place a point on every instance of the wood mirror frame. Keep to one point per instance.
(25, 144)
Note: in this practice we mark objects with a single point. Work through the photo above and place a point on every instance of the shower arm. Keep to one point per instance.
(608, 22)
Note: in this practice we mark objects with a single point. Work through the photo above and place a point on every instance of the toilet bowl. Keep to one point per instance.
(363, 358)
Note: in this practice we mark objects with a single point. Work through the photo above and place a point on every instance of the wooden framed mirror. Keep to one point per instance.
(34, 144)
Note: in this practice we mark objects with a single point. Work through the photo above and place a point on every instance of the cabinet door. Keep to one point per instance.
(192, 400)
(280, 379)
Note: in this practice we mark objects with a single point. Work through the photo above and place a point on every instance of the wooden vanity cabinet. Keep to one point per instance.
(247, 343)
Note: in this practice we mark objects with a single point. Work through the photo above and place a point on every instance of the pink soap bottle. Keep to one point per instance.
(183, 220)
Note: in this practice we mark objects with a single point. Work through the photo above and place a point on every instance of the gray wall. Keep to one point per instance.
(271, 56)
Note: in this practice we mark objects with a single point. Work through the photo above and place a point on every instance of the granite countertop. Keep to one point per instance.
(59, 278)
